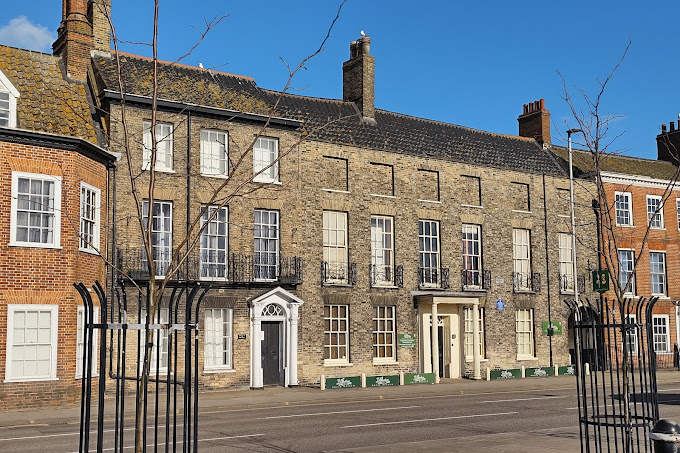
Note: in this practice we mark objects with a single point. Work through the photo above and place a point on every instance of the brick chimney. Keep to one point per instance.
(358, 74)
(99, 12)
(74, 39)
(535, 122)
(668, 143)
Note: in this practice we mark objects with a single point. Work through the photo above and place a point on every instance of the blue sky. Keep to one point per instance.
(469, 63)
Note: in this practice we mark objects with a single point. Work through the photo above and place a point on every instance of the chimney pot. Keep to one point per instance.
(663, 128)
(672, 124)
(542, 104)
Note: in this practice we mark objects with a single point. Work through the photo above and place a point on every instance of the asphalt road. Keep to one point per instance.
(369, 425)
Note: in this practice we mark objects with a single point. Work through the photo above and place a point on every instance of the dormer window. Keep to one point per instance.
(8, 102)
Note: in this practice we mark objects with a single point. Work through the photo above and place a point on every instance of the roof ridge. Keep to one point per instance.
(30, 51)
(623, 156)
(316, 98)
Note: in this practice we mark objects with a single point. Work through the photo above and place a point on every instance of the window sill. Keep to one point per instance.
(336, 284)
(376, 286)
(36, 379)
(474, 288)
(218, 371)
(79, 377)
(524, 291)
(160, 170)
(657, 228)
(472, 206)
(382, 196)
(521, 211)
(625, 226)
(89, 251)
(471, 359)
(268, 181)
(215, 175)
(661, 296)
(35, 245)
(331, 363)
(431, 201)
(335, 191)
(385, 362)
(567, 293)
(527, 358)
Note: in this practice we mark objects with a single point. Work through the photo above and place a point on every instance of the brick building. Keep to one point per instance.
(53, 179)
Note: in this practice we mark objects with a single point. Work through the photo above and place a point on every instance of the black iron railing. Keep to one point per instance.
(386, 275)
(430, 277)
(523, 282)
(475, 279)
(567, 283)
(338, 273)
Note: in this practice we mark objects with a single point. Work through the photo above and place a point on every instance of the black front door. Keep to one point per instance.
(441, 349)
(271, 353)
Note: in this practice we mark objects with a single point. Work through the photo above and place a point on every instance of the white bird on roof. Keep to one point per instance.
(362, 33)
(200, 65)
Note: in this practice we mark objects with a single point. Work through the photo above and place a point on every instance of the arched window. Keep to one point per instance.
(272, 310)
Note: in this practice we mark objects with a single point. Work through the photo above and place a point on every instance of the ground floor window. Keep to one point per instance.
(159, 352)
(384, 343)
(31, 342)
(524, 331)
(336, 333)
(469, 333)
(218, 338)
(660, 331)
(631, 342)
(80, 342)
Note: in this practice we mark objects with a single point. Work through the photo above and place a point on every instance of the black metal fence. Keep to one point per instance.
(616, 373)
(152, 363)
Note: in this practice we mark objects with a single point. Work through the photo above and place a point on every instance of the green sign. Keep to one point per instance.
(343, 382)
(601, 281)
(539, 372)
(555, 329)
(382, 381)
(514, 373)
(406, 340)
(418, 378)
(566, 370)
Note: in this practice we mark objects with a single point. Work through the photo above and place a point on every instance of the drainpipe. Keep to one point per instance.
(547, 271)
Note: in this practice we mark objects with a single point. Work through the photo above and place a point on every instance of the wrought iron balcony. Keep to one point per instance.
(429, 277)
(475, 279)
(567, 283)
(526, 282)
(217, 266)
(386, 276)
(338, 273)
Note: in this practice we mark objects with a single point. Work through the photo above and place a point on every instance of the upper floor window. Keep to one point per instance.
(8, 102)
(566, 260)
(626, 271)
(214, 153)
(161, 234)
(266, 247)
(428, 253)
(335, 254)
(163, 146)
(654, 211)
(265, 160)
(657, 272)
(90, 199)
(214, 242)
(472, 256)
(382, 250)
(624, 209)
(521, 254)
(36, 210)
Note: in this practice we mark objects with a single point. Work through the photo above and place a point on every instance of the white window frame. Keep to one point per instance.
(162, 262)
(54, 330)
(655, 220)
(525, 336)
(214, 153)
(472, 260)
(90, 245)
(13, 94)
(266, 245)
(382, 250)
(658, 270)
(429, 252)
(210, 249)
(218, 343)
(630, 254)
(335, 246)
(623, 199)
(566, 263)
(55, 210)
(266, 156)
(661, 334)
(159, 335)
(80, 341)
(521, 259)
(384, 334)
(468, 334)
(631, 318)
(164, 146)
(333, 329)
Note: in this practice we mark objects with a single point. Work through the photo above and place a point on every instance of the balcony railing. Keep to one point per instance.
(526, 282)
(475, 279)
(429, 277)
(386, 275)
(338, 273)
(567, 283)
(217, 266)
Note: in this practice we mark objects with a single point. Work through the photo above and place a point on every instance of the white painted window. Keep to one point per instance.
(163, 146)
(428, 253)
(36, 210)
(382, 250)
(90, 208)
(566, 261)
(8, 102)
(265, 160)
(215, 243)
(31, 342)
(80, 341)
(468, 340)
(159, 351)
(266, 235)
(161, 234)
(624, 209)
(657, 271)
(384, 335)
(524, 331)
(472, 255)
(662, 342)
(626, 271)
(335, 253)
(214, 153)
(521, 255)
(336, 334)
(654, 218)
(218, 338)
(631, 340)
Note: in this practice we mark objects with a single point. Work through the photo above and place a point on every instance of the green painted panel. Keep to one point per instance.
(418, 378)
(514, 373)
(407, 340)
(566, 370)
(556, 328)
(601, 281)
(539, 372)
(343, 382)
(382, 381)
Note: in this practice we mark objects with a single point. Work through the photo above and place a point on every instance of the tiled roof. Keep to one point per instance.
(613, 163)
(47, 102)
(330, 120)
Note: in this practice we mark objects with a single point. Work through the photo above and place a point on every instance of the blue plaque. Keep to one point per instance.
(500, 305)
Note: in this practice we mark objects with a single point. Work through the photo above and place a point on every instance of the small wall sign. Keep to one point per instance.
(241, 336)
(500, 305)
(500, 280)
(555, 329)
(406, 340)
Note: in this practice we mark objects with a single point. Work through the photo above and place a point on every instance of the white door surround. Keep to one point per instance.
(275, 305)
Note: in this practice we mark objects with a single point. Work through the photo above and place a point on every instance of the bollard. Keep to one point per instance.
(666, 437)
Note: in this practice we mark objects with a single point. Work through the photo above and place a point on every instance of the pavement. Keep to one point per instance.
(565, 439)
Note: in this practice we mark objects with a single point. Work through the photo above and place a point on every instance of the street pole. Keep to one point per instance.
(573, 221)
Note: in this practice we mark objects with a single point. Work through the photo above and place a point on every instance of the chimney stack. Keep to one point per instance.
(534, 122)
(668, 143)
(358, 75)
